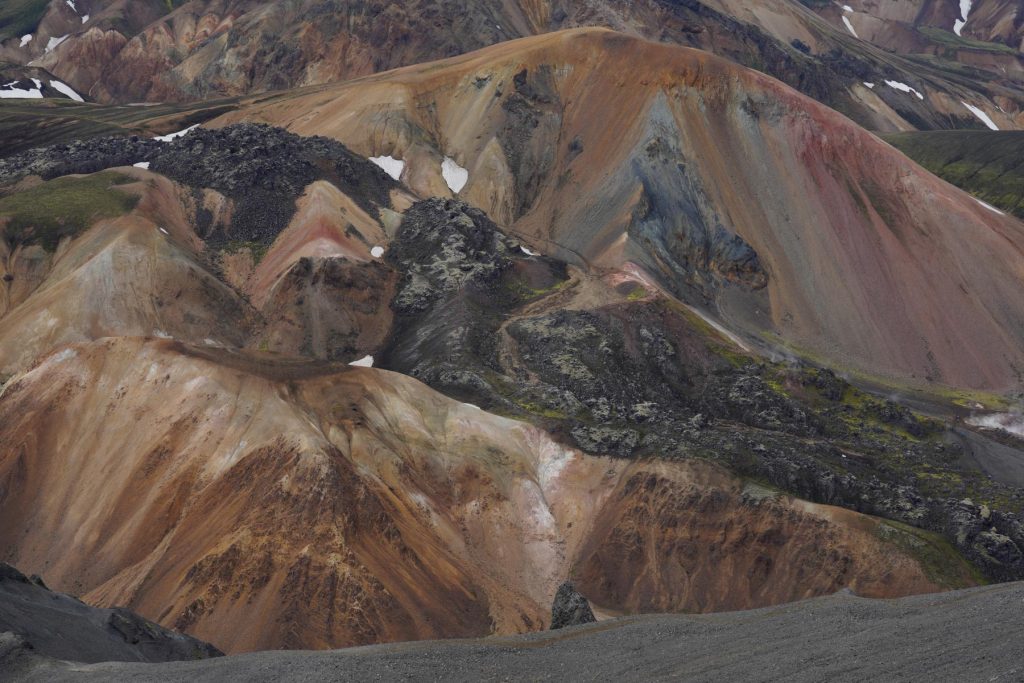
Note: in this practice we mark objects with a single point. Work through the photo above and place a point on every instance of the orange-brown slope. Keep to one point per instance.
(611, 149)
(318, 291)
(259, 505)
(135, 274)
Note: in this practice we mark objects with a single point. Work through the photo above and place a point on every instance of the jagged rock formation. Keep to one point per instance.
(37, 622)
(570, 608)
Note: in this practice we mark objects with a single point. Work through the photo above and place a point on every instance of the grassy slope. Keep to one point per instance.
(50, 211)
(25, 124)
(988, 164)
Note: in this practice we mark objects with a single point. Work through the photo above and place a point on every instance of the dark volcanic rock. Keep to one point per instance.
(42, 623)
(570, 608)
(455, 263)
(263, 169)
(442, 246)
(640, 379)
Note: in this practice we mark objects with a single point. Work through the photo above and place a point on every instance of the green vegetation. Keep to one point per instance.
(952, 40)
(520, 290)
(64, 207)
(171, 5)
(18, 17)
(939, 559)
(257, 249)
(987, 164)
(25, 124)
(637, 294)
(541, 411)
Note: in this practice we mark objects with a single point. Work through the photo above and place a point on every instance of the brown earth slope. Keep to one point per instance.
(723, 184)
(261, 504)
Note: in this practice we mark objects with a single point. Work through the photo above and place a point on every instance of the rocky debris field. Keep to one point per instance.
(644, 377)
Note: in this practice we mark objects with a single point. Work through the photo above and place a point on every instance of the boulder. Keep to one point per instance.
(570, 608)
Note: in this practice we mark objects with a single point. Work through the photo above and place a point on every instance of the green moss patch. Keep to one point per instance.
(987, 164)
(952, 40)
(64, 207)
(940, 561)
(257, 249)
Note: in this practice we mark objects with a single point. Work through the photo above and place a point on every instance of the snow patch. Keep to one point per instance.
(527, 251)
(141, 164)
(1010, 422)
(26, 39)
(174, 136)
(454, 175)
(364, 362)
(988, 206)
(71, 4)
(869, 85)
(392, 166)
(981, 115)
(470, 405)
(849, 27)
(85, 18)
(52, 44)
(965, 9)
(847, 8)
(903, 87)
(164, 231)
(66, 89)
(377, 252)
(19, 94)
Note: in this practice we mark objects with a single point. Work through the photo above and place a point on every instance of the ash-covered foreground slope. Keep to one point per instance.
(964, 635)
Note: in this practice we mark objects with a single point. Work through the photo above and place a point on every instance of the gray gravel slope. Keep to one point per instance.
(971, 635)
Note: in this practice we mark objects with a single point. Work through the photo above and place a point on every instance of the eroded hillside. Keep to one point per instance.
(567, 295)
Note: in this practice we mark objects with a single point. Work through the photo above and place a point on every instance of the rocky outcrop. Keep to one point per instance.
(37, 622)
(634, 378)
(570, 608)
(443, 246)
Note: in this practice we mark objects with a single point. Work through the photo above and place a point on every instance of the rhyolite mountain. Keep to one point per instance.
(621, 312)
(156, 51)
(723, 186)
